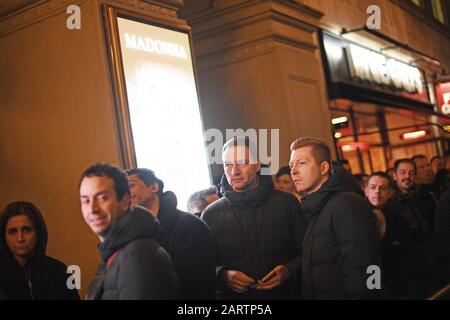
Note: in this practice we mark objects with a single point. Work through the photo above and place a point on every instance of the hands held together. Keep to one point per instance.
(240, 282)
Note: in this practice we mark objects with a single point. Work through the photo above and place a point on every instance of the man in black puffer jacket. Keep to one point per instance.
(186, 238)
(135, 266)
(258, 231)
(342, 239)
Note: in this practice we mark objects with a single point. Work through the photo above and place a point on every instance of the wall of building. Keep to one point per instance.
(396, 22)
(57, 116)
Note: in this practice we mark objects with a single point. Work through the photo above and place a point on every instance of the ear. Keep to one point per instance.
(258, 166)
(324, 168)
(125, 202)
(366, 191)
(154, 188)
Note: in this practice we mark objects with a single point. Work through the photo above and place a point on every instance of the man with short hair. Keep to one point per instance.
(409, 203)
(199, 200)
(424, 175)
(437, 163)
(394, 236)
(186, 238)
(135, 266)
(341, 241)
(258, 230)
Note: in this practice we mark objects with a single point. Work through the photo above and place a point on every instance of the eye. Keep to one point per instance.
(84, 201)
(11, 232)
(28, 229)
(103, 197)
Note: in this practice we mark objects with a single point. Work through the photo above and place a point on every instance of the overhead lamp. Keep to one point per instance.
(413, 135)
(339, 120)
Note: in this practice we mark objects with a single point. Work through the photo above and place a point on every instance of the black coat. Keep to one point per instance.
(442, 232)
(254, 232)
(48, 279)
(190, 244)
(139, 268)
(341, 241)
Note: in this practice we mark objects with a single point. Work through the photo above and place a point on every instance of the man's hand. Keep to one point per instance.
(238, 281)
(273, 279)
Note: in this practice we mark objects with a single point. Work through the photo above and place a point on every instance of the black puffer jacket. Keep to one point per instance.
(341, 241)
(139, 268)
(190, 244)
(254, 232)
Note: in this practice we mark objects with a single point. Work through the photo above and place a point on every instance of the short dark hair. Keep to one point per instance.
(119, 177)
(404, 160)
(148, 177)
(197, 203)
(419, 156)
(282, 171)
(381, 174)
(434, 158)
(321, 151)
(28, 209)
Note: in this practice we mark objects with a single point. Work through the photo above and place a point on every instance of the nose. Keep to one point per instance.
(20, 236)
(93, 207)
(235, 170)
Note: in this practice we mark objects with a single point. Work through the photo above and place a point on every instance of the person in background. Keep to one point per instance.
(26, 272)
(345, 164)
(362, 179)
(186, 238)
(283, 181)
(135, 266)
(394, 235)
(437, 163)
(407, 202)
(199, 200)
(442, 232)
(390, 173)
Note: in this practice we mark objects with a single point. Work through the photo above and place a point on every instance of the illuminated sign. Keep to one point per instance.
(368, 65)
(443, 97)
(163, 106)
(157, 46)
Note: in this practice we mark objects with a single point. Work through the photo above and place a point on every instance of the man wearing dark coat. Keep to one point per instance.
(186, 238)
(342, 241)
(408, 202)
(135, 266)
(258, 231)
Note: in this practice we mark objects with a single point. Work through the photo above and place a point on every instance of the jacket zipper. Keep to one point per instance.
(27, 272)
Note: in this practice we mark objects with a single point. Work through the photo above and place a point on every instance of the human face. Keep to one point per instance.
(21, 237)
(424, 173)
(99, 203)
(141, 194)
(404, 176)
(285, 183)
(308, 176)
(241, 174)
(437, 164)
(378, 191)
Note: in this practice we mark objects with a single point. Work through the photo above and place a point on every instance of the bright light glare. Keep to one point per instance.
(164, 111)
(414, 134)
(339, 120)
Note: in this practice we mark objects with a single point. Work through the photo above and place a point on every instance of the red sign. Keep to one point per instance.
(443, 98)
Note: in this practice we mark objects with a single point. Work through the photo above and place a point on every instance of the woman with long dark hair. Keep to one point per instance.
(26, 272)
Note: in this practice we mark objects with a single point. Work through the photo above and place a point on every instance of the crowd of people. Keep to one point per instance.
(311, 233)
